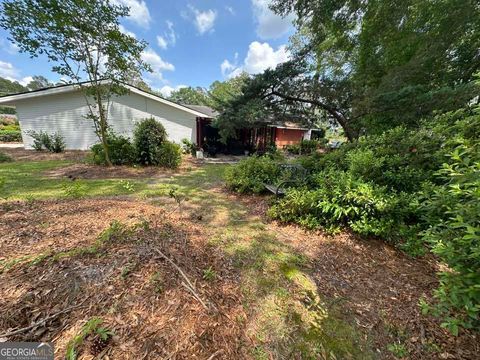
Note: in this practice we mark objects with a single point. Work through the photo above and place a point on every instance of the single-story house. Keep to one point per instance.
(63, 109)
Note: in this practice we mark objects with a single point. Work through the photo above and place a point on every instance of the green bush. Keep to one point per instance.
(308, 146)
(189, 147)
(339, 199)
(149, 135)
(120, 148)
(8, 135)
(418, 189)
(452, 214)
(170, 155)
(5, 158)
(249, 175)
(51, 142)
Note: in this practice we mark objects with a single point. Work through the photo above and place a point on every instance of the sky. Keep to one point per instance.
(190, 43)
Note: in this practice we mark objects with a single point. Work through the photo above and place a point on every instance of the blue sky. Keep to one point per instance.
(191, 43)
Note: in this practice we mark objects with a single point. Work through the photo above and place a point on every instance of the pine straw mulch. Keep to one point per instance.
(20, 154)
(138, 294)
(89, 171)
(376, 284)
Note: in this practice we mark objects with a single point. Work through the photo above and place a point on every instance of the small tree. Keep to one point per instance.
(83, 39)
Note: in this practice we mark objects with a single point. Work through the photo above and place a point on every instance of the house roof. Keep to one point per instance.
(13, 98)
(204, 109)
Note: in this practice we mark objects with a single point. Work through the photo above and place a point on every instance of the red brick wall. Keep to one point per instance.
(288, 137)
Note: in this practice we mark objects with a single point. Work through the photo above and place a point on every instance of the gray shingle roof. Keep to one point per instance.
(207, 110)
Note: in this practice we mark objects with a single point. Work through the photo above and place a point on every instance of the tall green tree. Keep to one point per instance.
(83, 40)
(38, 82)
(372, 65)
(190, 96)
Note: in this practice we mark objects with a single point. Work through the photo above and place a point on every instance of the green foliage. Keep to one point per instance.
(304, 147)
(74, 189)
(120, 148)
(189, 147)
(52, 142)
(169, 155)
(452, 211)
(209, 274)
(149, 135)
(5, 158)
(91, 328)
(8, 135)
(418, 189)
(250, 175)
(75, 35)
(398, 350)
(339, 199)
(190, 96)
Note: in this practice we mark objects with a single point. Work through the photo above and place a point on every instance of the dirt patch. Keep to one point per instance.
(20, 154)
(87, 171)
(377, 285)
(137, 293)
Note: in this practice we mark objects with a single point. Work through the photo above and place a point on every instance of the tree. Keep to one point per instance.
(220, 92)
(38, 82)
(83, 39)
(372, 65)
(190, 96)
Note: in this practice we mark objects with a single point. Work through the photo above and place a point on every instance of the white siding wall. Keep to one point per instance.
(65, 114)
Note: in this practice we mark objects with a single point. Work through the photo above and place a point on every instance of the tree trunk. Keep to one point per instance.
(103, 131)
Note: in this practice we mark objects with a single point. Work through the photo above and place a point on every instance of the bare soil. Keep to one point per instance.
(137, 293)
(20, 154)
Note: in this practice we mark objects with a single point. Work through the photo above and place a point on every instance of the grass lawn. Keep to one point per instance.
(271, 294)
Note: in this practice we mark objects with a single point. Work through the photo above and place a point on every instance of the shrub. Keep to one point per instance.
(341, 200)
(189, 147)
(42, 140)
(308, 146)
(416, 188)
(7, 135)
(169, 155)
(249, 175)
(57, 144)
(293, 149)
(149, 135)
(451, 212)
(5, 158)
(121, 151)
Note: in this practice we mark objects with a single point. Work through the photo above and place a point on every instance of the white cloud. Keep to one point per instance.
(269, 25)
(227, 67)
(139, 13)
(260, 57)
(169, 37)
(9, 47)
(230, 9)
(157, 63)
(10, 72)
(7, 70)
(167, 90)
(162, 43)
(127, 32)
(204, 21)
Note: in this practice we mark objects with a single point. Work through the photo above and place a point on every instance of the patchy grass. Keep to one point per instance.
(26, 181)
(286, 316)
